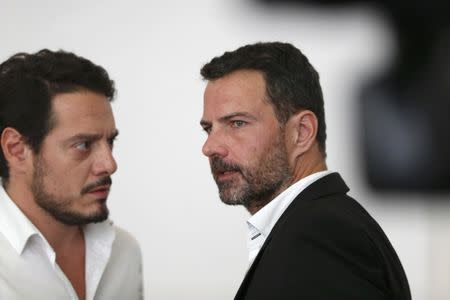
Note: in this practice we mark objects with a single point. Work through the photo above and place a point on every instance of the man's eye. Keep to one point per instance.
(83, 146)
(238, 123)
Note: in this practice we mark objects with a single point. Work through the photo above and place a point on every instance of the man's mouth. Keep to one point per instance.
(99, 188)
(224, 175)
(100, 191)
(222, 170)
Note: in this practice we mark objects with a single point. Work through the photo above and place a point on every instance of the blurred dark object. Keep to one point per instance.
(405, 112)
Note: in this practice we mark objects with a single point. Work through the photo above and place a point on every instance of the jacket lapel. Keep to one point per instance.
(327, 185)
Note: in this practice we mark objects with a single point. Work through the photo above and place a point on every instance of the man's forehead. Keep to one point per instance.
(244, 81)
(82, 112)
(79, 102)
(238, 93)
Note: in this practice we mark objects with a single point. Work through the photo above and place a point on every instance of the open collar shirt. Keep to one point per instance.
(261, 223)
(28, 268)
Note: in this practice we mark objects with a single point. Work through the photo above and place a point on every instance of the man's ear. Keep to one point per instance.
(302, 132)
(15, 150)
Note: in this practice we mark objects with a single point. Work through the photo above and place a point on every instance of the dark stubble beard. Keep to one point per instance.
(59, 207)
(256, 185)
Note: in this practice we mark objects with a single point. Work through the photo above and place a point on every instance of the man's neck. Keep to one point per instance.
(254, 206)
(67, 242)
(303, 167)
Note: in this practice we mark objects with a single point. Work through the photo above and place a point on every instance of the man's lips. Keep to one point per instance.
(226, 174)
(100, 191)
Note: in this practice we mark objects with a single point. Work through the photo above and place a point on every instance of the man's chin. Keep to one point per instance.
(100, 215)
(230, 198)
(77, 219)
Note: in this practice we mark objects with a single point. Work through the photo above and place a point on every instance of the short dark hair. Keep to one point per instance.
(29, 82)
(292, 83)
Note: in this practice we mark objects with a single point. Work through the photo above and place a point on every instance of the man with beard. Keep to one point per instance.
(264, 116)
(57, 134)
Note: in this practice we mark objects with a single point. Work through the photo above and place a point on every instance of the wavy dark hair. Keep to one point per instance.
(292, 83)
(29, 82)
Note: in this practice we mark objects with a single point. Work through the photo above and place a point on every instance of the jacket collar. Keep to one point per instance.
(325, 186)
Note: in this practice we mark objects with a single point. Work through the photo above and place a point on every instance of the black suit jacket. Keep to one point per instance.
(325, 246)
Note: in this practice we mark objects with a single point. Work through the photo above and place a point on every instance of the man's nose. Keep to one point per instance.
(215, 145)
(105, 164)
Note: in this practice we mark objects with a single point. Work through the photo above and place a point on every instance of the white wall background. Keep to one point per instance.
(194, 246)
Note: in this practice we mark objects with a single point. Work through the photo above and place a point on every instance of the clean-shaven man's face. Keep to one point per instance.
(245, 143)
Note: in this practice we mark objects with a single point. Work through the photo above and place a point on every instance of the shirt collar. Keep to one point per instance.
(263, 221)
(18, 229)
(99, 238)
(14, 225)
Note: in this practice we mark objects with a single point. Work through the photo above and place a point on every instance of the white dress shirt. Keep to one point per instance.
(28, 268)
(261, 223)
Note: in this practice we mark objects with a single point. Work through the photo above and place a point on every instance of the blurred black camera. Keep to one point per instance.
(404, 115)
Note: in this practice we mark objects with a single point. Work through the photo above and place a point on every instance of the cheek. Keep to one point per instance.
(249, 155)
(52, 183)
(266, 143)
(65, 179)
(251, 146)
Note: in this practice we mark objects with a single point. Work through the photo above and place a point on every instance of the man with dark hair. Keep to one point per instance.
(57, 133)
(264, 116)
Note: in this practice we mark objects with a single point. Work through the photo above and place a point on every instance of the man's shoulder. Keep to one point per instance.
(327, 200)
(339, 206)
(337, 223)
(332, 214)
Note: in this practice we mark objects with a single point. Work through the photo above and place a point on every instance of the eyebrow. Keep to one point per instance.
(92, 137)
(225, 118)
